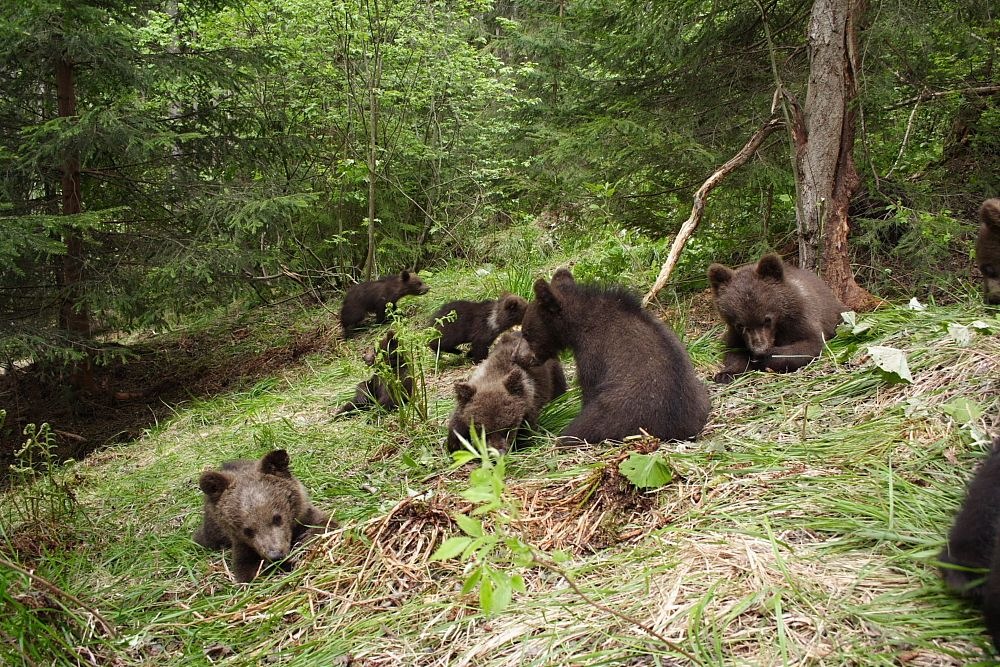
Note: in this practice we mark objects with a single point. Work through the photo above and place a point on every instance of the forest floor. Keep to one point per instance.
(800, 529)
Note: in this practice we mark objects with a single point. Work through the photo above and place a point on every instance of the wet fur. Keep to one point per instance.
(476, 322)
(259, 509)
(777, 316)
(501, 396)
(988, 250)
(374, 296)
(972, 543)
(635, 375)
(375, 390)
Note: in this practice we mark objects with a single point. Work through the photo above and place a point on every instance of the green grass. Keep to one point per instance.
(800, 529)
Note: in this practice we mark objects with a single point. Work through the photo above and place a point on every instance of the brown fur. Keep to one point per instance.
(777, 316)
(500, 396)
(476, 322)
(259, 509)
(634, 373)
(972, 543)
(375, 295)
(988, 250)
(375, 390)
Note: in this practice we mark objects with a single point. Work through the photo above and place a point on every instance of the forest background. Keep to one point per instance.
(164, 162)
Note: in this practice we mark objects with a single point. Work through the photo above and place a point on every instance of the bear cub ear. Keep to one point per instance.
(213, 483)
(404, 276)
(275, 463)
(464, 391)
(546, 297)
(563, 277)
(770, 267)
(719, 276)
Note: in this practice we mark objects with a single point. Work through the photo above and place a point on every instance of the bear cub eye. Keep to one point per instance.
(249, 532)
(276, 520)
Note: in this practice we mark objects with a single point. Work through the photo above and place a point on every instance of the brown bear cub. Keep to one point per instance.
(258, 509)
(777, 316)
(376, 390)
(988, 250)
(476, 322)
(500, 396)
(374, 296)
(972, 544)
(634, 373)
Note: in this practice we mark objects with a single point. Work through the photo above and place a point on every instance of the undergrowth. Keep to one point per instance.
(801, 528)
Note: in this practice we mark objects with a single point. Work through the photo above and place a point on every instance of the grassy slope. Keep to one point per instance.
(801, 529)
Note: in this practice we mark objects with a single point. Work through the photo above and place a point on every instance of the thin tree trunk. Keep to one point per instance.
(823, 135)
(74, 316)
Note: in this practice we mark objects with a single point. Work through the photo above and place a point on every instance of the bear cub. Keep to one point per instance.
(988, 250)
(476, 322)
(374, 296)
(634, 373)
(777, 316)
(376, 390)
(973, 544)
(259, 509)
(500, 396)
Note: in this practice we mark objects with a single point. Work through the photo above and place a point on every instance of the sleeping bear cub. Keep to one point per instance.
(258, 509)
(777, 316)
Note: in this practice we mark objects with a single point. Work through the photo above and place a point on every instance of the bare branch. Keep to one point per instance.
(687, 229)
(930, 95)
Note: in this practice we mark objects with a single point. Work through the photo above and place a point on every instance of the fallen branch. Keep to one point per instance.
(929, 95)
(700, 196)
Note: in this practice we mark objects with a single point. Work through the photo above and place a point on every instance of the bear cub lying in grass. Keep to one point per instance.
(777, 316)
(500, 396)
(476, 322)
(972, 544)
(259, 509)
(374, 296)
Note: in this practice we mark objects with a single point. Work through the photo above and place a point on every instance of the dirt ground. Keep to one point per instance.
(122, 399)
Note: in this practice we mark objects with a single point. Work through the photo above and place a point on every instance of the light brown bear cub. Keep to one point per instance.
(259, 509)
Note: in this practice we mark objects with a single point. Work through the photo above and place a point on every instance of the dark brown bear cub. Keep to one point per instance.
(777, 316)
(374, 296)
(972, 544)
(258, 509)
(376, 390)
(634, 373)
(988, 250)
(500, 396)
(476, 322)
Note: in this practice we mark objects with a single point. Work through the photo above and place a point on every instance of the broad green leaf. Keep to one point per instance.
(646, 471)
(451, 547)
(963, 410)
(891, 362)
(472, 580)
(470, 526)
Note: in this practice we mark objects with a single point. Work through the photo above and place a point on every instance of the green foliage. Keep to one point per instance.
(647, 471)
(490, 554)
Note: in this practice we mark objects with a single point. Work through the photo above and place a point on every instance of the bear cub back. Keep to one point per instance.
(973, 544)
(476, 322)
(259, 509)
(376, 390)
(499, 396)
(988, 249)
(777, 316)
(373, 296)
(634, 373)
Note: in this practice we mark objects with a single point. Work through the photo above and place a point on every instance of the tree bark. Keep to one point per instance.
(823, 136)
(74, 316)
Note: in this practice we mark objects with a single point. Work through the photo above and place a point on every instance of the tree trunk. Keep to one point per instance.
(823, 135)
(74, 316)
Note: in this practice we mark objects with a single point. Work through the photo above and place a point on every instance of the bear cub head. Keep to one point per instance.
(544, 325)
(411, 284)
(257, 504)
(508, 312)
(755, 304)
(499, 408)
